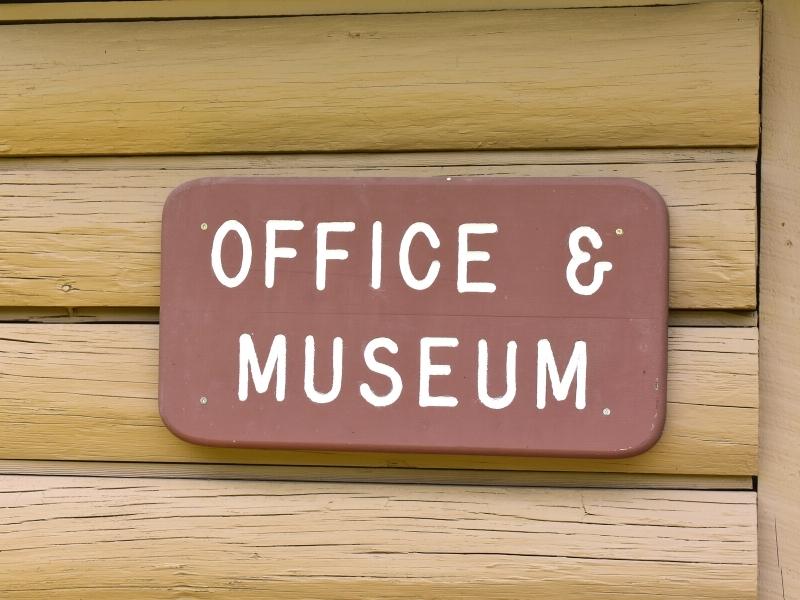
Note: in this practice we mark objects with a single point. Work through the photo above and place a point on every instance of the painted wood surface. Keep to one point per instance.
(160, 538)
(85, 232)
(663, 76)
(89, 392)
(779, 484)
(195, 9)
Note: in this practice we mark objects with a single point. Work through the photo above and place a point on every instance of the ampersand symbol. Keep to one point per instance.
(580, 257)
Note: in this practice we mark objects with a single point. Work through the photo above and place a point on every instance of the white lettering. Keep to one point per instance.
(483, 376)
(546, 367)
(216, 253)
(336, 379)
(274, 251)
(466, 256)
(405, 247)
(248, 364)
(323, 253)
(382, 369)
(428, 370)
(377, 240)
(580, 257)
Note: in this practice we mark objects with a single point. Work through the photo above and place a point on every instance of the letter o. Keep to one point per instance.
(216, 253)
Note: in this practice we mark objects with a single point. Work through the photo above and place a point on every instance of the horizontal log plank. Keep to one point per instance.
(653, 76)
(15, 12)
(431, 159)
(54, 314)
(158, 538)
(89, 392)
(86, 232)
(563, 479)
(699, 318)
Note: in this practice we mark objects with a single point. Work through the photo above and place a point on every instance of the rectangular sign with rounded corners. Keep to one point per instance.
(510, 316)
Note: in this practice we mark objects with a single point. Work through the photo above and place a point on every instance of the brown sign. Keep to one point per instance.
(456, 315)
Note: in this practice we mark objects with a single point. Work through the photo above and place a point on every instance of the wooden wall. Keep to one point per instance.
(779, 489)
(107, 106)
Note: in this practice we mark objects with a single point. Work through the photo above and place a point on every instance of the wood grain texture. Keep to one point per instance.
(89, 392)
(105, 314)
(152, 538)
(86, 232)
(376, 475)
(655, 76)
(14, 12)
(54, 314)
(779, 485)
(700, 318)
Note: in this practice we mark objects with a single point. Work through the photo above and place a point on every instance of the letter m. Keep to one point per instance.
(546, 369)
(248, 367)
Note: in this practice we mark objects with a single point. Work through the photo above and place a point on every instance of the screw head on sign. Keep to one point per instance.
(203, 226)
(606, 411)
(203, 400)
(619, 231)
